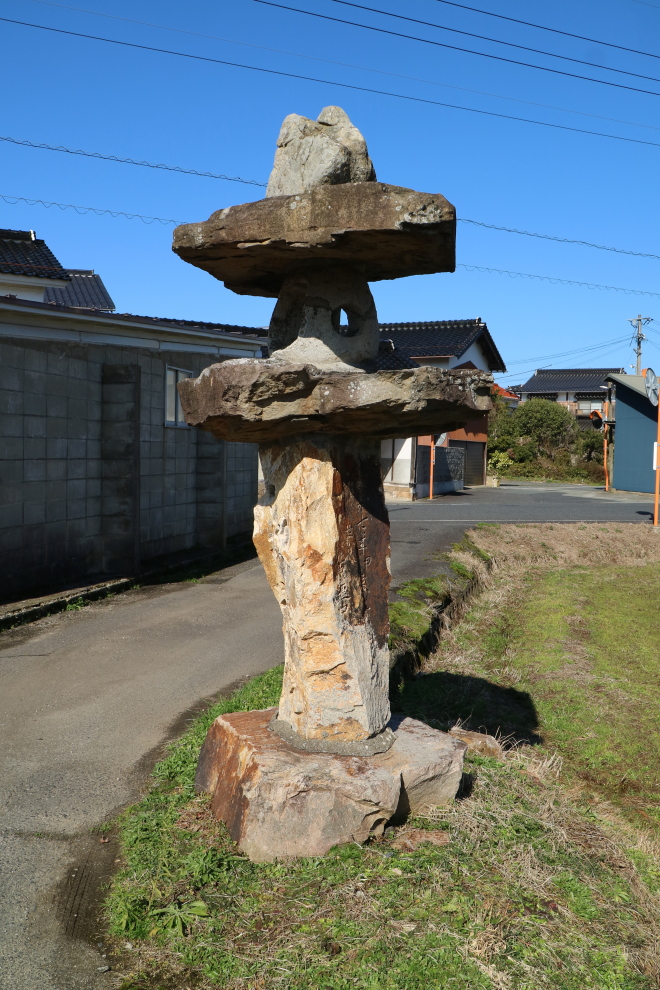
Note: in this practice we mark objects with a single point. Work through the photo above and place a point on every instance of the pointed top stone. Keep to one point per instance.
(322, 152)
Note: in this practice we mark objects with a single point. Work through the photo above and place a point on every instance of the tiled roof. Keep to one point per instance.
(152, 321)
(22, 253)
(567, 380)
(442, 338)
(85, 290)
(504, 392)
(390, 358)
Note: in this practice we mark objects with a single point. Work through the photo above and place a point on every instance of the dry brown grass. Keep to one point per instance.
(551, 545)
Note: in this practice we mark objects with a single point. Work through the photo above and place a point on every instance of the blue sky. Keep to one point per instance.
(99, 97)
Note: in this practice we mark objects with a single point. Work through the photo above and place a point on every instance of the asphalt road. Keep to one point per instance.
(420, 531)
(88, 698)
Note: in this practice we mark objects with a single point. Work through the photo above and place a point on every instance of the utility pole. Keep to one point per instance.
(638, 337)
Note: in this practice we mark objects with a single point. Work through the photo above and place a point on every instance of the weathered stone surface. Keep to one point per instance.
(322, 534)
(479, 742)
(381, 231)
(430, 764)
(279, 803)
(260, 401)
(326, 318)
(319, 152)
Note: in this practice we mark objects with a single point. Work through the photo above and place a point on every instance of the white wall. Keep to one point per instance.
(27, 286)
(474, 354)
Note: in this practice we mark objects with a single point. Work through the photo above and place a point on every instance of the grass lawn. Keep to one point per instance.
(552, 875)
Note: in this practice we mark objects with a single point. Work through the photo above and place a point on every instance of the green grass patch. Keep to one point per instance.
(546, 883)
(536, 889)
(412, 616)
(582, 645)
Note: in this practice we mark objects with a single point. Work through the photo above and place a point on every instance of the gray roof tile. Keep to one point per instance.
(22, 253)
(85, 290)
(442, 338)
(553, 380)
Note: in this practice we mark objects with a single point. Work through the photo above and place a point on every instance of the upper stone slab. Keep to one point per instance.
(382, 231)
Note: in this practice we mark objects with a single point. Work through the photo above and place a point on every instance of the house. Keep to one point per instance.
(99, 474)
(455, 459)
(511, 399)
(581, 390)
(635, 432)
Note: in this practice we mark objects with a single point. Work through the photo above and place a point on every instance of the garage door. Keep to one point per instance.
(474, 460)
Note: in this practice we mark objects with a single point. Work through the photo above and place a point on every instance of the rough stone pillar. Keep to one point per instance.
(322, 534)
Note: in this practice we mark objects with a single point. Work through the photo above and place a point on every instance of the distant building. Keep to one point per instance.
(581, 390)
(635, 431)
(511, 399)
(455, 459)
(99, 474)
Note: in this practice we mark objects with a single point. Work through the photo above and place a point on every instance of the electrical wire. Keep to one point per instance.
(495, 41)
(329, 82)
(577, 350)
(523, 373)
(338, 20)
(542, 27)
(457, 48)
(13, 200)
(345, 65)
(559, 281)
(534, 364)
(560, 240)
(254, 182)
(131, 161)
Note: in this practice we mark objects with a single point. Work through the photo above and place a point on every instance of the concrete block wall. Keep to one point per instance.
(242, 469)
(50, 464)
(75, 501)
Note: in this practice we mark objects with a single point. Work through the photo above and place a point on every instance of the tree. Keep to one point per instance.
(550, 426)
(502, 432)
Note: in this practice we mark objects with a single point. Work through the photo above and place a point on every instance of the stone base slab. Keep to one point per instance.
(279, 802)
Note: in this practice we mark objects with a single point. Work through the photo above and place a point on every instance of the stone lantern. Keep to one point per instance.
(330, 764)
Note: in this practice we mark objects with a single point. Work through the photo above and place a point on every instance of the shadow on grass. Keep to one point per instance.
(442, 699)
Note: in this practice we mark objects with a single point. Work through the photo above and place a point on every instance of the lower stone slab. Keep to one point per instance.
(280, 803)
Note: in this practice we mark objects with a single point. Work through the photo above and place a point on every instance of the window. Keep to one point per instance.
(590, 405)
(173, 411)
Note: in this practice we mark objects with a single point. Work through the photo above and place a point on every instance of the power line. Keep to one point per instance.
(560, 281)
(577, 350)
(591, 353)
(478, 223)
(560, 240)
(542, 27)
(329, 82)
(346, 65)
(131, 161)
(254, 182)
(546, 367)
(496, 41)
(13, 200)
(469, 51)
